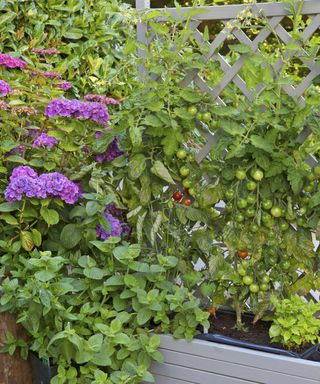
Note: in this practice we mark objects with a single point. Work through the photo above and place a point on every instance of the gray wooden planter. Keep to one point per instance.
(203, 362)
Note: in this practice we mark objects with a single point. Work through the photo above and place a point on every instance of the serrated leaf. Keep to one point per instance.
(261, 143)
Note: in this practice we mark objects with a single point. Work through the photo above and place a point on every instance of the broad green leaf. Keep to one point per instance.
(137, 165)
(26, 240)
(70, 236)
(50, 216)
(143, 315)
(93, 273)
(161, 171)
(9, 207)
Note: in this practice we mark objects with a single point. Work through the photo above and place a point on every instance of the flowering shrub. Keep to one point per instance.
(66, 235)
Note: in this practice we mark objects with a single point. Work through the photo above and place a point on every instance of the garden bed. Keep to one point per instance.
(203, 362)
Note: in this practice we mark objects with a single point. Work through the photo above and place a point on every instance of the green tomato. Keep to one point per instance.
(276, 211)
(193, 111)
(251, 186)
(254, 288)
(285, 265)
(284, 226)
(272, 260)
(199, 116)
(240, 174)
(269, 224)
(250, 212)
(229, 194)
(316, 170)
(264, 287)
(229, 207)
(191, 192)
(302, 210)
(239, 218)
(257, 174)
(181, 154)
(190, 158)
(267, 204)
(265, 279)
(206, 116)
(214, 124)
(242, 203)
(301, 222)
(285, 256)
(245, 263)
(251, 199)
(242, 271)
(184, 171)
(247, 280)
(254, 228)
(186, 183)
(265, 217)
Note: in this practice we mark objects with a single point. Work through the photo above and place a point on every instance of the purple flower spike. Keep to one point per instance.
(65, 86)
(44, 140)
(47, 51)
(4, 88)
(77, 109)
(11, 62)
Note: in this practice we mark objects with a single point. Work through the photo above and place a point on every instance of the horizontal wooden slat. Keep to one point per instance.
(243, 356)
(229, 368)
(227, 12)
(196, 376)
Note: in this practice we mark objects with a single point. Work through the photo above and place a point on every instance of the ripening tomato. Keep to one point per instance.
(211, 310)
(186, 202)
(177, 196)
(243, 254)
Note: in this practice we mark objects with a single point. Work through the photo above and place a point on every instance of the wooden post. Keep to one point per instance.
(13, 369)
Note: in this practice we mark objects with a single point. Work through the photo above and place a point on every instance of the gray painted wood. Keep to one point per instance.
(202, 362)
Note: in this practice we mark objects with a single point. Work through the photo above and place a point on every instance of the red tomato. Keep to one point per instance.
(177, 196)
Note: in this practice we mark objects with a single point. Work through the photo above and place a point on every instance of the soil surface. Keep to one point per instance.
(223, 323)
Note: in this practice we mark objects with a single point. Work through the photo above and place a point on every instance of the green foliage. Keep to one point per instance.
(295, 322)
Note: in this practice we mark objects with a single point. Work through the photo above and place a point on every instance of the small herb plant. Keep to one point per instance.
(295, 323)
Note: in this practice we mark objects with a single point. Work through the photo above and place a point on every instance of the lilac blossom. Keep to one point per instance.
(25, 181)
(44, 140)
(101, 99)
(4, 88)
(47, 51)
(11, 62)
(77, 109)
(112, 152)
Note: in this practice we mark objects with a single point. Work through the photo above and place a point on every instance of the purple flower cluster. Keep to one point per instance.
(101, 99)
(47, 51)
(65, 86)
(78, 109)
(114, 216)
(44, 140)
(112, 152)
(25, 181)
(4, 88)
(11, 62)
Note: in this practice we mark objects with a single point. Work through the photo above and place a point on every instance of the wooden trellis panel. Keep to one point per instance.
(275, 14)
